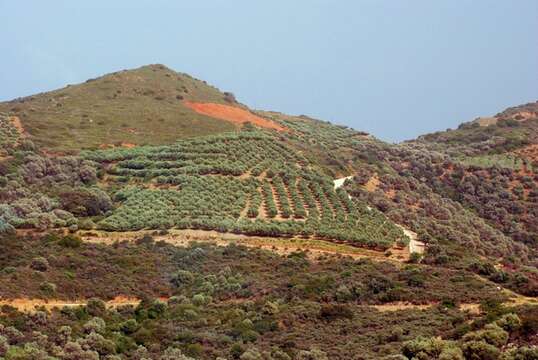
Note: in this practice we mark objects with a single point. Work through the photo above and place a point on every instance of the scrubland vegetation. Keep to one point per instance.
(9, 135)
(472, 139)
(263, 307)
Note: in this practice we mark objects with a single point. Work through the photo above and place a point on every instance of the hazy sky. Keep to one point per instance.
(395, 68)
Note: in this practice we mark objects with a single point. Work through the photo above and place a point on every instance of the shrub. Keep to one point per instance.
(47, 288)
(28, 351)
(431, 348)
(5, 227)
(86, 224)
(157, 309)
(9, 270)
(251, 354)
(39, 264)
(335, 311)
(415, 258)
(236, 350)
(480, 350)
(313, 354)
(491, 334)
(201, 299)
(4, 345)
(522, 353)
(229, 97)
(70, 241)
(129, 326)
(96, 307)
(395, 334)
(182, 277)
(96, 324)
(249, 336)
(174, 354)
(86, 201)
(509, 322)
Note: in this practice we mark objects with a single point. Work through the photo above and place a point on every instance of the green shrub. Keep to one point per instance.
(129, 326)
(431, 348)
(182, 278)
(335, 311)
(70, 241)
(480, 350)
(48, 288)
(95, 307)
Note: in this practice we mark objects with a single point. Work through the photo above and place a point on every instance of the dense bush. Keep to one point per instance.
(486, 343)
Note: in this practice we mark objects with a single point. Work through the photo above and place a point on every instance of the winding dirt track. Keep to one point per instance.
(473, 308)
(414, 244)
(30, 305)
(314, 248)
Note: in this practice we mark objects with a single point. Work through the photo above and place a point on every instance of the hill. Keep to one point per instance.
(150, 105)
(491, 167)
(509, 135)
(221, 232)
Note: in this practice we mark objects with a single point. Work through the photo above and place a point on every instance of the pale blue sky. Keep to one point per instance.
(394, 68)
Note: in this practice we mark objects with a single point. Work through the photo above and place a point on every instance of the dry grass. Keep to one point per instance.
(282, 246)
(141, 106)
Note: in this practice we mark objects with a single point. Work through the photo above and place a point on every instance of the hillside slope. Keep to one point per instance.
(149, 105)
(209, 230)
(512, 133)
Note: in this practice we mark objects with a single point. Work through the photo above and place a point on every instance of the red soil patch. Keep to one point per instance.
(530, 152)
(231, 113)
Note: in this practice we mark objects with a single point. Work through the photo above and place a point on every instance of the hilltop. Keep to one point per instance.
(150, 105)
(511, 133)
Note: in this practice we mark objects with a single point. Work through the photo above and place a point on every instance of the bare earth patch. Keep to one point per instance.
(372, 184)
(486, 121)
(314, 248)
(529, 152)
(233, 114)
(473, 308)
(30, 305)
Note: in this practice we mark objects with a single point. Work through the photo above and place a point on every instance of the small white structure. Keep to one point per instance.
(415, 246)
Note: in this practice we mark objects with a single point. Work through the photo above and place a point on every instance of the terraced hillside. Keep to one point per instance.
(248, 183)
(171, 222)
